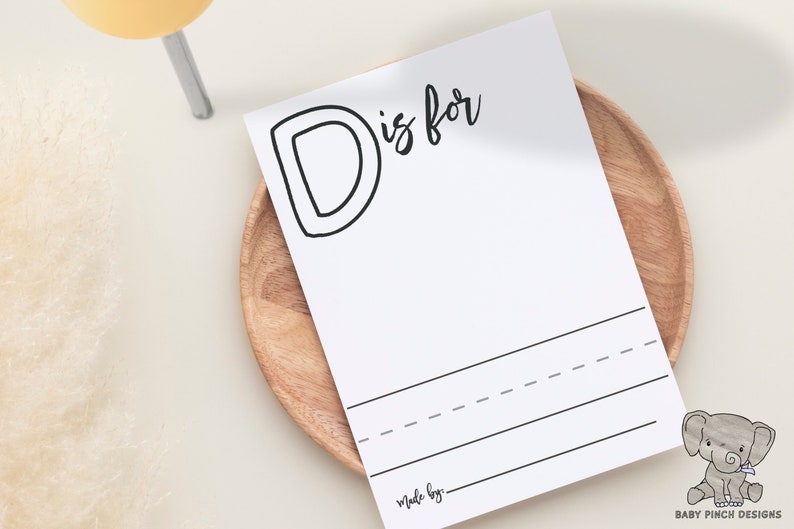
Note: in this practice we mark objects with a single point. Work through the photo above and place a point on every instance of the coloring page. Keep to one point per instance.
(468, 275)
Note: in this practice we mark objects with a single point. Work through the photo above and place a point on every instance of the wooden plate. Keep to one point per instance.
(285, 340)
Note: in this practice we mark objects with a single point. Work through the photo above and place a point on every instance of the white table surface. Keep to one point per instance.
(711, 82)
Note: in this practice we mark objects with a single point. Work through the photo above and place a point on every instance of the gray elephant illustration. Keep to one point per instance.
(732, 445)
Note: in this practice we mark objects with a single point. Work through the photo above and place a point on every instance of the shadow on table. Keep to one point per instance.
(708, 81)
(694, 82)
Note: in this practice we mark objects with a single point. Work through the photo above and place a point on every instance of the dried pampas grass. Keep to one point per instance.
(65, 456)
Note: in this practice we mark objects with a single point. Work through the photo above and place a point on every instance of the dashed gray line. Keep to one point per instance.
(510, 390)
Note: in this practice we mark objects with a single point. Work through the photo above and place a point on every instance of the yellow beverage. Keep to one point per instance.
(137, 19)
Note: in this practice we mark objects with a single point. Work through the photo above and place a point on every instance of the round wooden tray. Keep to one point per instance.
(285, 340)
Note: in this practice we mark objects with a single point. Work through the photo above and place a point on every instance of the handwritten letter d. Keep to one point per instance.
(285, 134)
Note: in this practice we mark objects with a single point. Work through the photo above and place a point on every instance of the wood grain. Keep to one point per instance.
(285, 340)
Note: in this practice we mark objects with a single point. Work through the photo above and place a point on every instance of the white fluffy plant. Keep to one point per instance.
(65, 456)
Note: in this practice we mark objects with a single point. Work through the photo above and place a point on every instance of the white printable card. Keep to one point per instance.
(469, 277)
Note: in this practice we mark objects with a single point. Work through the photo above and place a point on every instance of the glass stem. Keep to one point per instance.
(179, 52)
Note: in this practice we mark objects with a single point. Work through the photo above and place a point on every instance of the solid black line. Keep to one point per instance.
(591, 443)
(547, 340)
(467, 443)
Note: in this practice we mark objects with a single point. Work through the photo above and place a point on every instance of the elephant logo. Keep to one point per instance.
(732, 445)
